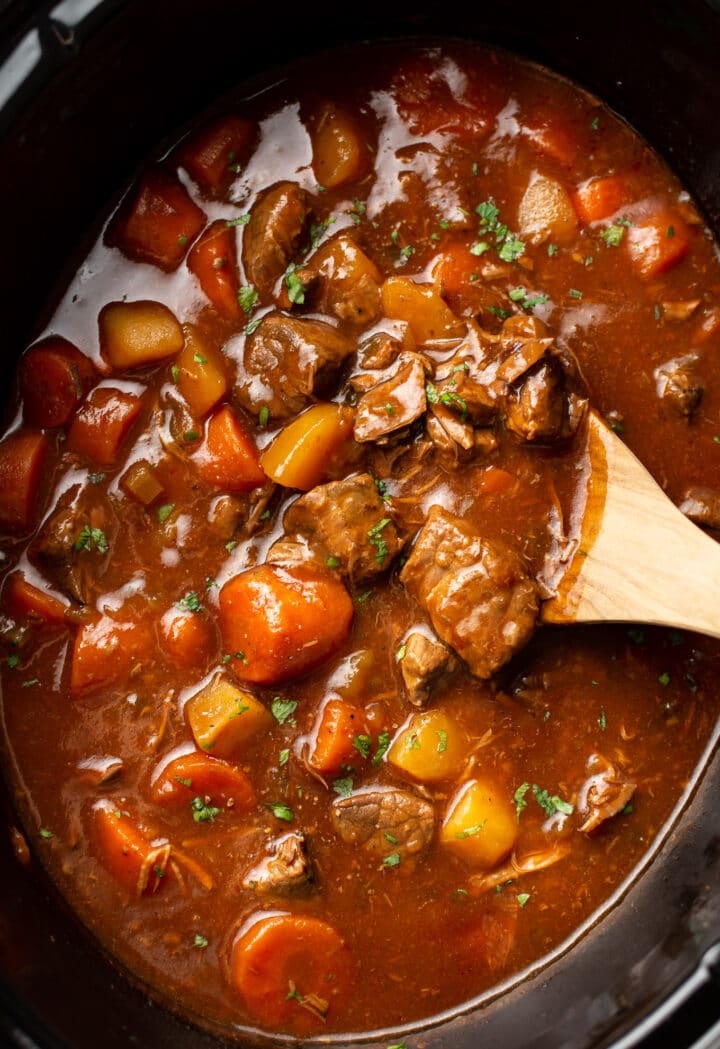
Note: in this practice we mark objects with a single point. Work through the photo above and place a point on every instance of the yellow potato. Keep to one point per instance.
(223, 718)
(420, 305)
(339, 152)
(546, 212)
(142, 483)
(300, 454)
(201, 374)
(480, 826)
(136, 333)
(431, 747)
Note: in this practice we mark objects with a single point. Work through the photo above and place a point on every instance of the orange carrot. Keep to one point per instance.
(101, 424)
(157, 221)
(290, 970)
(194, 774)
(228, 457)
(657, 243)
(187, 637)
(105, 653)
(213, 260)
(285, 622)
(213, 155)
(492, 481)
(22, 456)
(136, 863)
(54, 377)
(24, 599)
(336, 728)
(598, 198)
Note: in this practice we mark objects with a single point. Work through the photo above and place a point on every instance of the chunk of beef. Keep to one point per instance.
(679, 385)
(286, 870)
(340, 279)
(294, 553)
(394, 403)
(702, 505)
(273, 234)
(478, 595)
(379, 351)
(604, 794)
(71, 548)
(425, 662)
(287, 360)
(349, 520)
(454, 439)
(367, 816)
(548, 404)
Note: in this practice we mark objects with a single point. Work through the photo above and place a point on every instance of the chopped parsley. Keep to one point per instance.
(479, 247)
(264, 415)
(200, 941)
(400, 654)
(317, 231)
(332, 562)
(280, 811)
(184, 781)
(252, 326)
(282, 709)
(175, 373)
(522, 898)
(90, 537)
(406, 252)
(664, 679)
(362, 745)
(202, 811)
(247, 297)
(498, 311)
(45, 833)
(552, 249)
(357, 211)
(343, 787)
(30, 682)
(470, 832)
(442, 741)
(508, 247)
(191, 435)
(412, 742)
(602, 720)
(96, 478)
(190, 603)
(594, 124)
(241, 220)
(550, 804)
(283, 757)
(390, 837)
(527, 299)
(199, 359)
(670, 231)
(383, 742)
(375, 539)
(575, 294)
(164, 511)
(613, 235)
(294, 285)
(519, 797)
(393, 860)
(182, 240)
(13, 660)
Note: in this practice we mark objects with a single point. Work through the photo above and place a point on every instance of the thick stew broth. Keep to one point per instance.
(286, 482)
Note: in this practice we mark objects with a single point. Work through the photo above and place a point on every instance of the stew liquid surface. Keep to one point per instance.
(285, 484)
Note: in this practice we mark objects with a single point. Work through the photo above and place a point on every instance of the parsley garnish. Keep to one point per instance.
(400, 654)
(164, 511)
(199, 359)
(551, 804)
(203, 812)
(392, 860)
(45, 833)
(602, 720)
(90, 537)
(200, 941)
(509, 248)
(470, 832)
(96, 478)
(575, 294)
(252, 326)
(264, 415)
(280, 811)
(283, 757)
(362, 744)
(190, 603)
(343, 787)
(241, 220)
(552, 249)
(247, 297)
(527, 299)
(519, 797)
(294, 285)
(357, 211)
(375, 539)
(13, 660)
(332, 562)
(282, 709)
(383, 742)
(442, 741)
(664, 679)
(522, 898)
(613, 235)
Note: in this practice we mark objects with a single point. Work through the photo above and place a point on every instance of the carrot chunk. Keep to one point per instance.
(285, 622)
(139, 865)
(105, 653)
(133, 334)
(24, 599)
(291, 970)
(187, 637)
(336, 728)
(422, 308)
(201, 373)
(102, 423)
(196, 774)
(598, 198)
(339, 151)
(213, 260)
(301, 453)
(22, 456)
(157, 221)
(213, 154)
(228, 457)
(54, 377)
(657, 243)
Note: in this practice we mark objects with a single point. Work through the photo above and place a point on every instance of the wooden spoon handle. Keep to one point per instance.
(638, 558)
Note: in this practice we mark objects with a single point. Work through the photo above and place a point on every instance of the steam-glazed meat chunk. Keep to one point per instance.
(286, 870)
(702, 505)
(546, 405)
(478, 595)
(678, 384)
(424, 663)
(604, 794)
(384, 821)
(287, 360)
(394, 402)
(273, 234)
(341, 280)
(71, 546)
(350, 521)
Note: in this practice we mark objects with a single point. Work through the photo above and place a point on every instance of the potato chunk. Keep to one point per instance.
(431, 747)
(301, 453)
(480, 825)
(546, 211)
(133, 334)
(223, 717)
(339, 152)
(421, 306)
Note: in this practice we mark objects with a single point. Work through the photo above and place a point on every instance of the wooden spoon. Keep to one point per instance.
(638, 559)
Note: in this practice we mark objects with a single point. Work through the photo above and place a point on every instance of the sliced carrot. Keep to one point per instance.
(105, 653)
(598, 198)
(22, 457)
(340, 153)
(228, 457)
(285, 622)
(213, 260)
(187, 637)
(102, 423)
(139, 865)
(337, 726)
(54, 377)
(24, 599)
(213, 155)
(134, 334)
(290, 970)
(657, 243)
(201, 373)
(157, 221)
(196, 774)
(303, 451)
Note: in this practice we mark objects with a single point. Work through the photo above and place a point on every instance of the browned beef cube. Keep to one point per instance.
(478, 595)
(424, 663)
(286, 870)
(395, 402)
(702, 505)
(368, 817)
(273, 234)
(678, 384)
